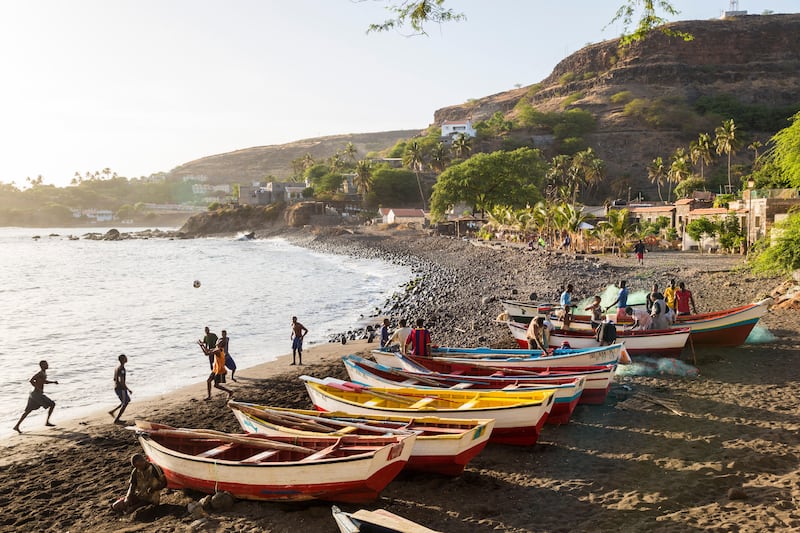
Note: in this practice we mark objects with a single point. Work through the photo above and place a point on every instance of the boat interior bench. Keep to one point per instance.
(320, 454)
(213, 452)
(424, 402)
(259, 457)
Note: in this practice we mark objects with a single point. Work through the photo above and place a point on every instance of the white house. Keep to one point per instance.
(400, 216)
(453, 128)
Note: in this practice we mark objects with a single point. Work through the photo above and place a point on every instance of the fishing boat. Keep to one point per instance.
(350, 469)
(518, 416)
(568, 391)
(443, 445)
(656, 342)
(378, 521)
(598, 378)
(517, 358)
(725, 328)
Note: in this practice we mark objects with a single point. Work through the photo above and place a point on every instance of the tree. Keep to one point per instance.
(363, 179)
(785, 154)
(461, 145)
(394, 187)
(511, 179)
(350, 152)
(755, 146)
(679, 168)
(416, 13)
(782, 257)
(700, 152)
(585, 168)
(558, 177)
(618, 226)
(726, 142)
(439, 157)
(647, 21)
(657, 173)
(699, 227)
(414, 158)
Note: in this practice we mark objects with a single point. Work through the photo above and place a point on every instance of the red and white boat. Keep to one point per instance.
(518, 416)
(517, 358)
(598, 378)
(254, 467)
(726, 328)
(443, 445)
(657, 342)
(568, 391)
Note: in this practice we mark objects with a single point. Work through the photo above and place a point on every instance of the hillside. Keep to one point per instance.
(750, 62)
(253, 164)
(754, 59)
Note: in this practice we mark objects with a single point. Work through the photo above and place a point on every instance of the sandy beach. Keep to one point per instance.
(720, 451)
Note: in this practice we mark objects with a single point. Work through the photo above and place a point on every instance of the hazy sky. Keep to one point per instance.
(143, 86)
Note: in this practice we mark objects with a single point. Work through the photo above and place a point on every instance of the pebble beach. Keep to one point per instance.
(716, 451)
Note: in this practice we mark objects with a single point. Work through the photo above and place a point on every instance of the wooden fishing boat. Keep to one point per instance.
(253, 467)
(443, 445)
(518, 416)
(598, 378)
(725, 328)
(656, 342)
(518, 358)
(378, 521)
(568, 391)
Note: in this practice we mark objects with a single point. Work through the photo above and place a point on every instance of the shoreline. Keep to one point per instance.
(726, 459)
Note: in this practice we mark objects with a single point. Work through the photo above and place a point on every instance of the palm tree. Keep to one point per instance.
(617, 226)
(585, 168)
(571, 219)
(700, 151)
(679, 166)
(657, 173)
(755, 146)
(726, 142)
(557, 176)
(308, 161)
(439, 157)
(350, 152)
(461, 145)
(414, 159)
(363, 178)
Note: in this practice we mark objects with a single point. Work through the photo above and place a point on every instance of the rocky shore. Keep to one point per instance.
(665, 453)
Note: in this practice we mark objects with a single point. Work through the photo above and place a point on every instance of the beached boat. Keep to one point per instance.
(567, 391)
(728, 327)
(519, 416)
(657, 342)
(253, 467)
(517, 358)
(443, 445)
(378, 521)
(598, 378)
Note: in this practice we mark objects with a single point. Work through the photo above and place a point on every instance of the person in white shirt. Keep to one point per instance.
(400, 335)
(641, 318)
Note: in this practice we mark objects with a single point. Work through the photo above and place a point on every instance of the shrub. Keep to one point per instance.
(621, 97)
(783, 256)
(566, 78)
(571, 99)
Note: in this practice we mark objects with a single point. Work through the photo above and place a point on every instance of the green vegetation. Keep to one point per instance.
(571, 99)
(394, 187)
(754, 117)
(783, 256)
(666, 113)
(495, 126)
(566, 78)
(511, 179)
(571, 123)
(621, 97)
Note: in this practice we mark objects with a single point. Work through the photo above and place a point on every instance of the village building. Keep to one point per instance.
(452, 128)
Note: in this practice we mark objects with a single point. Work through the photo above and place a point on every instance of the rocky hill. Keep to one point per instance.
(254, 164)
(753, 59)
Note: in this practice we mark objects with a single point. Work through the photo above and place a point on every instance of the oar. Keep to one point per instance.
(344, 423)
(227, 437)
(408, 375)
(281, 419)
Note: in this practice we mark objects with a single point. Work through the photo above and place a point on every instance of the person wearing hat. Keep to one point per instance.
(144, 486)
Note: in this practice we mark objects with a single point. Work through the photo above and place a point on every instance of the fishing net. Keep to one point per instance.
(646, 366)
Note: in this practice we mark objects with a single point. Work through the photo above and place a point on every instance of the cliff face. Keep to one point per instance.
(756, 59)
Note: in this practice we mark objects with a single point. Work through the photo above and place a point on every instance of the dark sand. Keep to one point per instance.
(728, 461)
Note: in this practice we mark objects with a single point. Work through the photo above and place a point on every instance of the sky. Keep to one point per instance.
(143, 86)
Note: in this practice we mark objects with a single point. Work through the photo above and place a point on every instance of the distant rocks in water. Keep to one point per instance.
(116, 235)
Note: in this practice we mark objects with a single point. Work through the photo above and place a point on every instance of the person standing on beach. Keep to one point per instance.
(298, 332)
(651, 297)
(420, 340)
(683, 297)
(566, 306)
(639, 249)
(210, 342)
(37, 399)
(641, 318)
(596, 311)
(229, 362)
(218, 372)
(144, 486)
(669, 294)
(121, 388)
(621, 302)
(385, 333)
(400, 336)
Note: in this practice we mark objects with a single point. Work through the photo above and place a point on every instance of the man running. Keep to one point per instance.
(37, 399)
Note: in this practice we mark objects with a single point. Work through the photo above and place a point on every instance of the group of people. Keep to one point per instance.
(413, 341)
(661, 308)
(219, 360)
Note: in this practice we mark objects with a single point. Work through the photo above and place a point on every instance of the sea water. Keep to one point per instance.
(80, 303)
